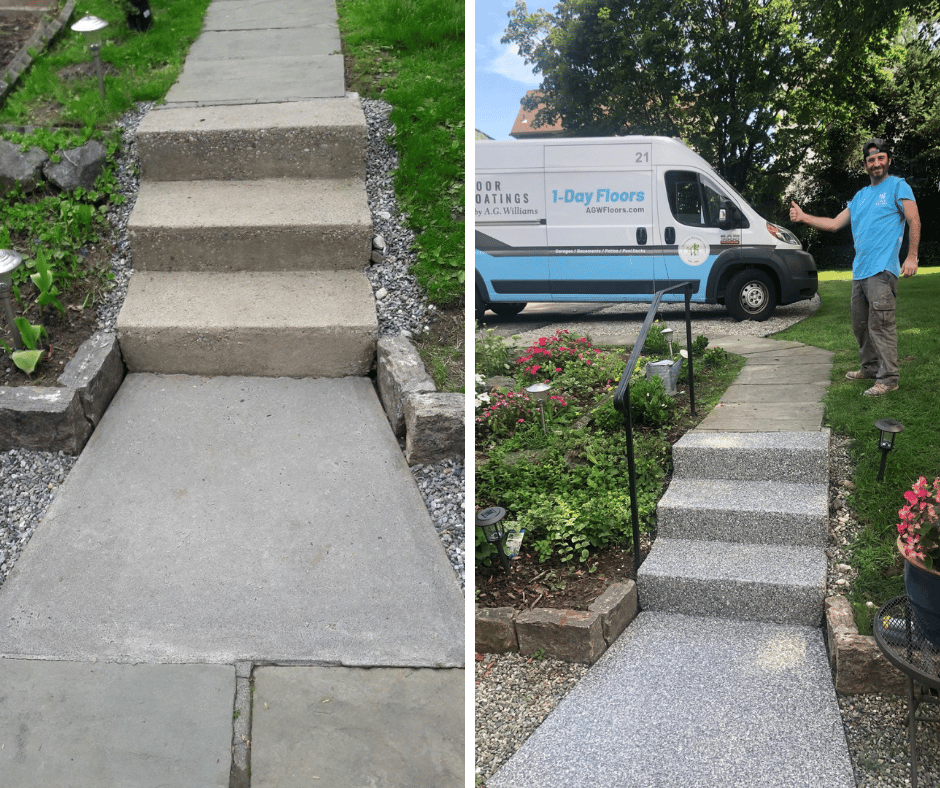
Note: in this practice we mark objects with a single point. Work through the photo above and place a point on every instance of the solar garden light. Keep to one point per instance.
(667, 332)
(886, 427)
(9, 262)
(91, 27)
(488, 520)
(539, 392)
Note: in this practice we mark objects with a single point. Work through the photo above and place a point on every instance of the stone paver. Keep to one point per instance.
(382, 728)
(90, 725)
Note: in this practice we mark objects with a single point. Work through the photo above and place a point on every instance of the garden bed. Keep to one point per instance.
(581, 456)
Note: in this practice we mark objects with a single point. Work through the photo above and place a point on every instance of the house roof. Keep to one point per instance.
(523, 128)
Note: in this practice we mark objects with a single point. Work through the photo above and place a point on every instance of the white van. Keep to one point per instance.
(616, 219)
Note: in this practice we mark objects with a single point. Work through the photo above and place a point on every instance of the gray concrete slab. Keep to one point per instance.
(239, 45)
(774, 394)
(259, 80)
(88, 725)
(347, 728)
(223, 519)
(795, 417)
(758, 373)
(697, 703)
(266, 14)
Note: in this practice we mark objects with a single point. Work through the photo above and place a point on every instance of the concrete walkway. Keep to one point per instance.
(239, 583)
(722, 680)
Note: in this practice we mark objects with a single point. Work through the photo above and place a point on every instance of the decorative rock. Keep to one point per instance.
(378, 243)
(617, 607)
(495, 630)
(568, 635)
(78, 167)
(400, 372)
(380, 293)
(95, 372)
(43, 419)
(434, 427)
(17, 167)
(376, 257)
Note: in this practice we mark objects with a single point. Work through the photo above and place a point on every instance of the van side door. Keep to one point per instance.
(600, 216)
(700, 221)
(509, 224)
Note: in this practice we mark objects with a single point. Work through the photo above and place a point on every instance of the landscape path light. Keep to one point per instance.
(886, 428)
(667, 332)
(539, 392)
(90, 27)
(488, 521)
(9, 262)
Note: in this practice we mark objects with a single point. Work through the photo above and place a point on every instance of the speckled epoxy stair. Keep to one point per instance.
(722, 681)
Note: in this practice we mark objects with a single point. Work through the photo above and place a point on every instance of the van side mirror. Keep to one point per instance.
(729, 216)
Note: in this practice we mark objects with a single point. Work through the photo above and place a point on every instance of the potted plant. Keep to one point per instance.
(919, 543)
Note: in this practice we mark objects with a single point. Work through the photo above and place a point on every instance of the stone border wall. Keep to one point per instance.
(43, 418)
(858, 666)
(567, 635)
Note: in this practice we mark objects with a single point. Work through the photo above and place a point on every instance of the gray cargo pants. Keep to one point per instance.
(873, 303)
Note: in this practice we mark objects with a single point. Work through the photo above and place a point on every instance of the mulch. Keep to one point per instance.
(14, 33)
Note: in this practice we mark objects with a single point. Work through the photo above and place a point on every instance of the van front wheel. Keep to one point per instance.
(750, 296)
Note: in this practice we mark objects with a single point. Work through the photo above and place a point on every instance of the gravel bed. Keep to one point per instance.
(29, 479)
(514, 694)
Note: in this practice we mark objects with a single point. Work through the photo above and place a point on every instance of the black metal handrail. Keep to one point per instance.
(622, 396)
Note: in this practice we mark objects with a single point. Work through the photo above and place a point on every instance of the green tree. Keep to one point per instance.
(749, 84)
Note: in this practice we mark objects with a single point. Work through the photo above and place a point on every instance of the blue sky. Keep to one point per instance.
(501, 76)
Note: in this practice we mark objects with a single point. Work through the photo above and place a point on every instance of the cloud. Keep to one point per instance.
(509, 63)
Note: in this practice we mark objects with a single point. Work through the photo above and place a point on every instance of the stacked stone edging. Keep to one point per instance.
(858, 666)
(567, 635)
(43, 418)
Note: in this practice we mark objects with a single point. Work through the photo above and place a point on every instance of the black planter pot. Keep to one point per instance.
(140, 19)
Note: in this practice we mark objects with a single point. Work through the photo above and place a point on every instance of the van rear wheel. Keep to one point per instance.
(508, 309)
(750, 295)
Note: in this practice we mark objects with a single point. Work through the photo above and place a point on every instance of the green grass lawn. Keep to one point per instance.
(411, 53)
(916, 404)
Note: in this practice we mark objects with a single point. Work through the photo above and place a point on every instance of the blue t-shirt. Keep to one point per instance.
(878, 227)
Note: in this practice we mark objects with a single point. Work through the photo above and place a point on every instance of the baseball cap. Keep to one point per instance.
(878, 144)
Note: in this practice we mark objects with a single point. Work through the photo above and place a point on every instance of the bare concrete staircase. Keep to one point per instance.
(250, 234)
(742, 529)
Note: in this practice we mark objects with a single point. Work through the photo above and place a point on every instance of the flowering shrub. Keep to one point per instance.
(919, 528)
(550, 356)
(505, 411)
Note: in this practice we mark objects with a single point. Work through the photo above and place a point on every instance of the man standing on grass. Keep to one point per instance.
(877, 213)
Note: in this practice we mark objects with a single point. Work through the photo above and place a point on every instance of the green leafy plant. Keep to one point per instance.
(27, 360)
(491, 354)
(650, 404)
(44, 279)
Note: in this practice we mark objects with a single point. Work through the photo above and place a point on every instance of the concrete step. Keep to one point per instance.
(261, 225)
(322, 138)
(296, 324)
(745, 511)
(782, 584)
(767, 456)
